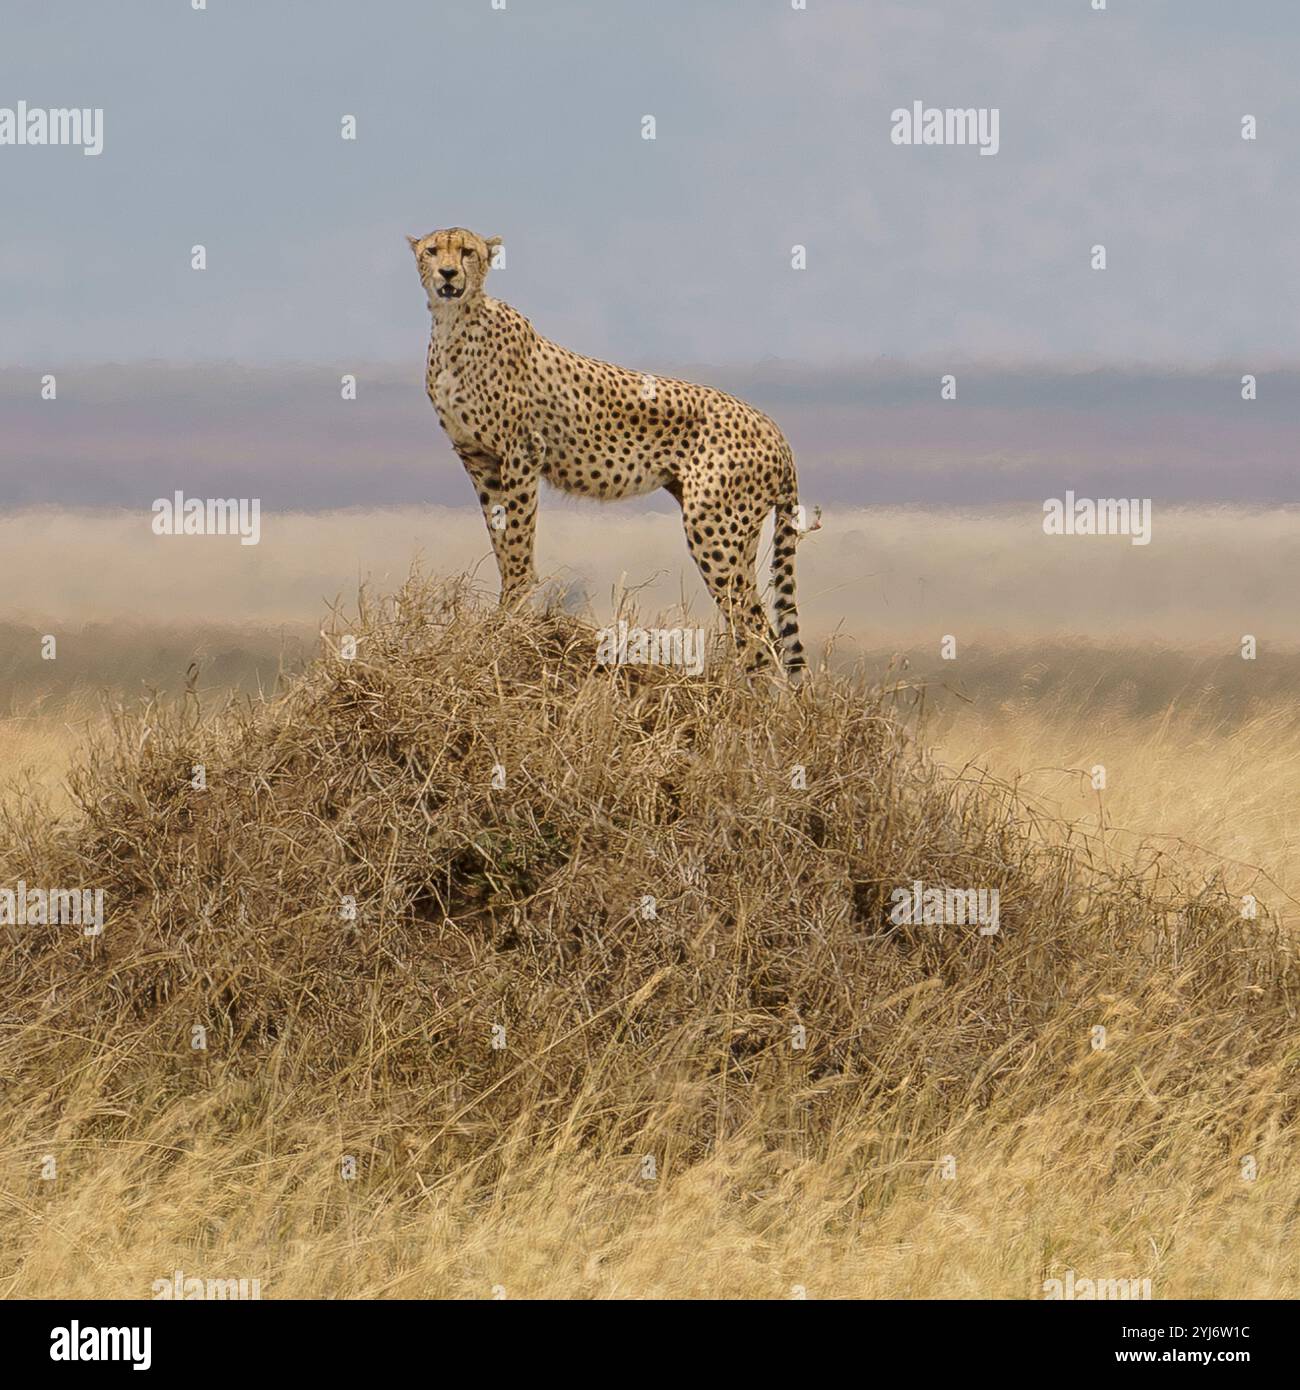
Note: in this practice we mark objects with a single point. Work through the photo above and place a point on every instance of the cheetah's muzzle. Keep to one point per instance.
(448, 292)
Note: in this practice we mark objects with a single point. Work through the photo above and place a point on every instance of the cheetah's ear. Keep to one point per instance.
(492, 243)
(413, 242)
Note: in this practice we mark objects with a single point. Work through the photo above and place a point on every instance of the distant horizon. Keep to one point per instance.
(872, 433)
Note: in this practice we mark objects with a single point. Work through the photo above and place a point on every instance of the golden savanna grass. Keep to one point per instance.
(651, 1126)
(1200, 754)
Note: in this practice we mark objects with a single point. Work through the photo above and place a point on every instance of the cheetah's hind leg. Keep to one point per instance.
(725, 557)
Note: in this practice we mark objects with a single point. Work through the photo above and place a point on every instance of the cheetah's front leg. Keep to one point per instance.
(507, 492)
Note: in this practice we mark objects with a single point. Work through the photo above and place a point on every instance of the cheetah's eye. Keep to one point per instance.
(469, 251)
(428, 250)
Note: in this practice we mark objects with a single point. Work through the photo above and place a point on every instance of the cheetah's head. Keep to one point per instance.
(453, 264)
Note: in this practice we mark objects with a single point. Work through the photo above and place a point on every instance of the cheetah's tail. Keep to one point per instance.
(785, 536)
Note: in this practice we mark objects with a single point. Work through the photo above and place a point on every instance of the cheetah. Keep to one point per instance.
(518, 408)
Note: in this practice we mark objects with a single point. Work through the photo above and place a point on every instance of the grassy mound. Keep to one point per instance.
(469, 945)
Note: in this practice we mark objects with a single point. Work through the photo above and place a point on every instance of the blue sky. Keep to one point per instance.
(222, 127)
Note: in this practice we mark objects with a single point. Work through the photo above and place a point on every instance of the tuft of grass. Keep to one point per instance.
(635, 1023)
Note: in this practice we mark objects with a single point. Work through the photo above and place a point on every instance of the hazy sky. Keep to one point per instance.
(222, 127)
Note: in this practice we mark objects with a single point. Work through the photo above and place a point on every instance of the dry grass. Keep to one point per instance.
(38, 750)
(1200, 750)
(1209, 799)
(776, 1167)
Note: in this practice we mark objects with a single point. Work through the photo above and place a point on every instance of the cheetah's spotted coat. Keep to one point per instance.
(518, 408)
